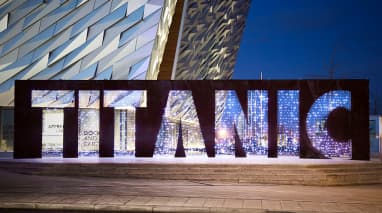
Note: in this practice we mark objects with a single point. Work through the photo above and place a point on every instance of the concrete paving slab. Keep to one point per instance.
(214, 203)
(310, 206)
(139, 201)
(291, 205)
(271, 205)
(331, 207)
(195, 202)
(158, 201)
(81, 194)
(177, 201)
(349, 207)
(252, 204)
(233, 203)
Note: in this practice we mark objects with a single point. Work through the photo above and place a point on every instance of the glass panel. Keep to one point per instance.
(124, 132)
(88, 123)
(52, 132)
(258, 122)
(374, 134)
(224, 119)
(316, 124)
(53, 98)
(124, 99)
(180, 108)
(380, 134)
(125, 102)
(88, 99)
(6, 131)
(88, 132)
(253, 132)
(288, 123)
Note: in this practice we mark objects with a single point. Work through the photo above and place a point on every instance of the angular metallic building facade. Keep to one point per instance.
(210, 39)
(115, 40)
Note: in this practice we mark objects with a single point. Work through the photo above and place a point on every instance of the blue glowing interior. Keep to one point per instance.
(316, 124)
(288, 122)
(180, 111)
(252, 126)
(252, 131)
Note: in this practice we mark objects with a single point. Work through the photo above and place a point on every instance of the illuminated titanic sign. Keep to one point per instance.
(306, 118)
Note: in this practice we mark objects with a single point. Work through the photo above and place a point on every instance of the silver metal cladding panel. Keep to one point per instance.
(211, 35)
(76, 39)
(115, 39)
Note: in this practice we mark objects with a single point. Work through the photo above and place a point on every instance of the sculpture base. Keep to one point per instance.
(253, 169)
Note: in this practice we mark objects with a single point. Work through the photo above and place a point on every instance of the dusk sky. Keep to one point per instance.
(304, 39)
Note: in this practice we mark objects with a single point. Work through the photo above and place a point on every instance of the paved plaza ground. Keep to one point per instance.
(76, 194)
